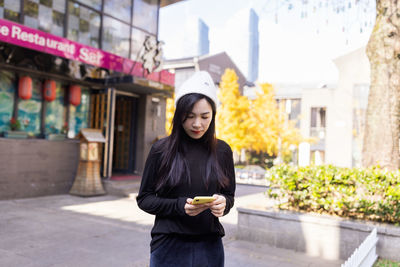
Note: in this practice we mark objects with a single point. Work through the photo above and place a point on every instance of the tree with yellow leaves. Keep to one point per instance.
(169, 114)
(233, 112)
(264, 121)
(270, 131)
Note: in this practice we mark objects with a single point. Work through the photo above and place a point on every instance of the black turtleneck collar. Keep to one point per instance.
(190, 140)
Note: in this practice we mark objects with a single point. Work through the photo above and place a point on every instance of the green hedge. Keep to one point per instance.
(386, 263)
(368, 194)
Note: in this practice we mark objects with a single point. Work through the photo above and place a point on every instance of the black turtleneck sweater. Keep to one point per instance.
(171, 218)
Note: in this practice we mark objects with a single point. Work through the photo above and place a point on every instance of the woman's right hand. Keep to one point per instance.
(193, 210)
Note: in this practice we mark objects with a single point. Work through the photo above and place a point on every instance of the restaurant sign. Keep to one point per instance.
(24, 36)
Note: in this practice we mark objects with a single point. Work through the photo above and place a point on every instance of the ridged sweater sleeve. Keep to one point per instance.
(226, 162)
(148, 200)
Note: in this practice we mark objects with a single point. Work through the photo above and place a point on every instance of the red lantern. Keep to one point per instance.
(74, 95)
(49, 90)
(25, 87)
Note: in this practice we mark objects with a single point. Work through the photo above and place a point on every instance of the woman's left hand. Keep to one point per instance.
(217, 207)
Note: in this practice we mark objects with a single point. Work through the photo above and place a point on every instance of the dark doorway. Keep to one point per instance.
(124, 134)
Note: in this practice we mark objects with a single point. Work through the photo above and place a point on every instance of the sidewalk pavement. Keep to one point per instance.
(109, 230)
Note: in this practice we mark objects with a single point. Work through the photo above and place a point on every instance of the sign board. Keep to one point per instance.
(24, 36)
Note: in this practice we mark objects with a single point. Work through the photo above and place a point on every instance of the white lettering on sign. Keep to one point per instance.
(50, 43)
(60, 46)
(91, 57)
(33, 38)
(4, 30)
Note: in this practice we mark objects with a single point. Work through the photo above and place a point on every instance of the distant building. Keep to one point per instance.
(252, 71)
(214, 64)
(203, 40)
(196, 41)
(334, 114)
(244, 34)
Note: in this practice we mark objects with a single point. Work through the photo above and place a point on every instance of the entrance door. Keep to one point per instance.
(124, 134)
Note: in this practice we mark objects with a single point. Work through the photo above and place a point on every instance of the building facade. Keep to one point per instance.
(333, 114)
(67, 65)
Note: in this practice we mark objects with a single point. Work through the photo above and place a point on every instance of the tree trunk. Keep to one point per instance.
(381, 138)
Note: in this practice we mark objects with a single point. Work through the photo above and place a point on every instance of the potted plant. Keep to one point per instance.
(15, 129)
(15, 124)
(54, 136)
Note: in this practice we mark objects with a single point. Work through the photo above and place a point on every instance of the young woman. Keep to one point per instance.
(190, 162)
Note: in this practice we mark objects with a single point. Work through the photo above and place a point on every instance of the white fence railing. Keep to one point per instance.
(365, 254)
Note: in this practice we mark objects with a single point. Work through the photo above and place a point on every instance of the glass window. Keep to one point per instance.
(47, 3)
(138, 38)
(57, 26)
(79, 115)
(50, 12)
(116, 37)
(96, 4)
(29, 110)
(295, 110)
(55, 112)
(120, 7)
(31, 12)
(7, 92)
(83, 25)
(318, 117)
(10, 10)
(145, 15)
(59, 5)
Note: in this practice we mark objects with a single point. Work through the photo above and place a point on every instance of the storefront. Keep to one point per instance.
(67, 65)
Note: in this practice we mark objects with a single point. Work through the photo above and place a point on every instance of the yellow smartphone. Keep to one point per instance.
(202, 200)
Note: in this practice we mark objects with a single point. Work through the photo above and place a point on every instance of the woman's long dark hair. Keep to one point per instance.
(174, 167)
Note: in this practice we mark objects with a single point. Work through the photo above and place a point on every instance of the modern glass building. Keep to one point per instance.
(67, 65)
(253, 47)
(243, 32)
(203, 40)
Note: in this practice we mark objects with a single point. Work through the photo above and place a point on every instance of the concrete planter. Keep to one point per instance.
(16, 134)
(55, 137)
(322, 236)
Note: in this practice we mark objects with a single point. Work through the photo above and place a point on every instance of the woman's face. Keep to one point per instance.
(199, 119)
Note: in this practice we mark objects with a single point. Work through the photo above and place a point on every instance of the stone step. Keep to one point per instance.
(122, 188)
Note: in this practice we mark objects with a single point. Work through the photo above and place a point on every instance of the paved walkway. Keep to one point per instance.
(72, 231)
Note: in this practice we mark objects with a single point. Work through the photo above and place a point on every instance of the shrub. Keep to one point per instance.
(386, 263)
(368, 194)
